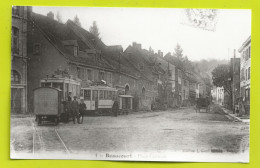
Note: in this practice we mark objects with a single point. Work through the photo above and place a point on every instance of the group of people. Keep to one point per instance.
(76, 109)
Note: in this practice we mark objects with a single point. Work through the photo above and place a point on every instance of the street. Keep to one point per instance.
(177, 130)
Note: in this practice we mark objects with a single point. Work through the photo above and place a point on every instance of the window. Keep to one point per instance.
(36, 49)
(15, 10)
(15, 77)
(75, 50)
(101, 75)
(109, 95)
(109, 78)
(101, 95)
(106, 95)
(78, 72)
(89, 74)
(87, 94)
(248, 71)
(15, 40)
(94, 94)
(249, 52)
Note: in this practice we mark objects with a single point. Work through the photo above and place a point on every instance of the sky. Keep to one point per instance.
(163, 29)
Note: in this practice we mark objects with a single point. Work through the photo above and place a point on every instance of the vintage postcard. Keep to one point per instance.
(130, 84)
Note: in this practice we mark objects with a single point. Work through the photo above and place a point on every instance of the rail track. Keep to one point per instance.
(46, 140)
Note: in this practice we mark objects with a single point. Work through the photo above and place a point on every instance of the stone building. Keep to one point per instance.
(20, 16)
(245, 70)
(68, 47)
(145, 62)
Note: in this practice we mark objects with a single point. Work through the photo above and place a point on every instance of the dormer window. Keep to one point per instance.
(71, 47)
(76, 48)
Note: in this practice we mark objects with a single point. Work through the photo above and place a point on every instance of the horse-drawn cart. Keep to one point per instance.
(202, 103)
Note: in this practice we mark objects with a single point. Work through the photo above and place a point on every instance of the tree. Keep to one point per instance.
(76, 21)
(94, 29)
(179, 57)
(178, 52)
(59, 17)
(221, 77)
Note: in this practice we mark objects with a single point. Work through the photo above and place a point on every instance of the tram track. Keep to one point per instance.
(48, 140)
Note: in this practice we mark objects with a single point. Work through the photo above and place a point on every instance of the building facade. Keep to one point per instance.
(20, 16)
(245, 70)
(67, 47)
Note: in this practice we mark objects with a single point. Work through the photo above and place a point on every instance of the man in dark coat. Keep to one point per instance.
(69, 97)
(75, 109)
(115, 107)
(82, 107)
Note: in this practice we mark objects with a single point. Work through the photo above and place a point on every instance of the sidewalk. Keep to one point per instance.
(236, 118)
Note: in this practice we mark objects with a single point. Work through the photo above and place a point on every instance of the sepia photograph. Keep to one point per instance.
(130, 84)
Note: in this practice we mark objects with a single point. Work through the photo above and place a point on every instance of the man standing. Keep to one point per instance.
(115, 107)
(69, 97)
(75, 109)
(82, 109)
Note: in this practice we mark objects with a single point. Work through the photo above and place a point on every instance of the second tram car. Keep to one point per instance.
(98, 99)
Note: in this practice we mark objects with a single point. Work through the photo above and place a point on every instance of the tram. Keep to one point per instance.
(65, 84)
(50, 99)
(99, 99)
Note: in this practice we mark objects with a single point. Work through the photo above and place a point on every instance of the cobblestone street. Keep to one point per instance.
(179, 130)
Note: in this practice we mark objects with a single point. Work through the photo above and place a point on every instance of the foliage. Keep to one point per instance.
(59, 17)
(178, 52)
(221, 77)
(94, 29)
(76, 21)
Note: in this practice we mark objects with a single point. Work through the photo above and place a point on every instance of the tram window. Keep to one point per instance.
(87, 94)
(58, 85)
(94, 95)
(81, 93)
(101, 95)
(46, 84)
(109, 95)
(105, 94)
(66, 89)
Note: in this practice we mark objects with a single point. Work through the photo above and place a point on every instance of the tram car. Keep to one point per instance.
(99, 99)
(50, 99)
(65, 84)
(47, 104)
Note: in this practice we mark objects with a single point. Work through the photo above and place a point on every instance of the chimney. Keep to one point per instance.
(161, 54)
(137, 45)
(50, 15)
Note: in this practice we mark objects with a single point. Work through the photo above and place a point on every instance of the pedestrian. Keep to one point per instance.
(75, 109)
(115, 107)
(69, 97)
(82, 107)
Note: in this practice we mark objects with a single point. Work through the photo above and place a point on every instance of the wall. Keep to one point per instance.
(19, 61)
(43, 63)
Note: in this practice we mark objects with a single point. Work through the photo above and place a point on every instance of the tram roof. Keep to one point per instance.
(99, 88)
(61, 79)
